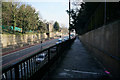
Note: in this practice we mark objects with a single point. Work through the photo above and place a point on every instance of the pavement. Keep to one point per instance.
(77, 63)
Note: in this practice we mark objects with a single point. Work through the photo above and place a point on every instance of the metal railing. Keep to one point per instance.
(28, 67)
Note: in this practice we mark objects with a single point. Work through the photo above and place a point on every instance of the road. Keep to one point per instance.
(12, 58)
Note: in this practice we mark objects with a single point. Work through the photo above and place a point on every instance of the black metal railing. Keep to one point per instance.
(28, 67)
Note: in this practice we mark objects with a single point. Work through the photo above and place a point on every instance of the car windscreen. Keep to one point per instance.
(41, 56)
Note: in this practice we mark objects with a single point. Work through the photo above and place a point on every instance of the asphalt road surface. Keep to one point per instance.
(12, 58)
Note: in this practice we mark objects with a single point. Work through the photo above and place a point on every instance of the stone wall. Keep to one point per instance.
(18, 39)
(12, 40)
(104, 44)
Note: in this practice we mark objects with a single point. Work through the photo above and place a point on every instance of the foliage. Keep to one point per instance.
(42, 27)
(64, 29)
(56, 26)
(92, 15)
(21, 15)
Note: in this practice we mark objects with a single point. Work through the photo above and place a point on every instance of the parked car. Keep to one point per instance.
(66, 38)
(60, 40)
(57, 42)
(41, 57)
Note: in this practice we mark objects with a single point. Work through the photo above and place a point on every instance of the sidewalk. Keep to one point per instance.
(77, 63)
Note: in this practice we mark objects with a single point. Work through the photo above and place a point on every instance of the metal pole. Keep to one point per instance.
(69, 19)
(105, 14)
(41, 40)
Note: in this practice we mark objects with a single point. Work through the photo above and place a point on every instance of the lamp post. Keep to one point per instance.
(69, 19)
(105, 14)
(41, 40)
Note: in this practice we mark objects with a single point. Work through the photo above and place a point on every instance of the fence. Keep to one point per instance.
(30, 66)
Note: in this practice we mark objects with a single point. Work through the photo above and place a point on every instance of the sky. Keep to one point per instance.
(52, 11)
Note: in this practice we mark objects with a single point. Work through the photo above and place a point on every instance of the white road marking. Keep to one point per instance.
(84, 72)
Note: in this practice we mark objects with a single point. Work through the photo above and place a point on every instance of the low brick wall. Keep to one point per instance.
(104, 43)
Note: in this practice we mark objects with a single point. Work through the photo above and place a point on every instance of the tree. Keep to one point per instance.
(23, 16)
(56, 26)
(64, 29)
(9, 14)
(82, 17)
(42, 27)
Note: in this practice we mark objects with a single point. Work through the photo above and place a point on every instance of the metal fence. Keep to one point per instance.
(32, 65)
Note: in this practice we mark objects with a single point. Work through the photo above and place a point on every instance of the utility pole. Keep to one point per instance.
(69, 19)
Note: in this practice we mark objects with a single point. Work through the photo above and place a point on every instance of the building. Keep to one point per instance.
(49, 29)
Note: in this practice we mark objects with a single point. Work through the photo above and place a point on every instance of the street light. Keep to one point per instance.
(105, 14)
(41, 41)
(69, 19)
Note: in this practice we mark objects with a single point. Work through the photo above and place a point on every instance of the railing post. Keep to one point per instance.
(17, 72)
(60, 48)
(57, 50)
(48, 54)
